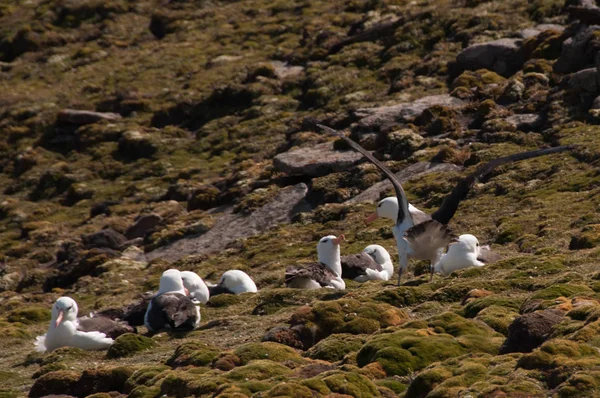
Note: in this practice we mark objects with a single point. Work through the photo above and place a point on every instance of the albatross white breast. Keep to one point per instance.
(197, 289)
(171, 308)
(64, 331)
(326, 273)
(462, 254)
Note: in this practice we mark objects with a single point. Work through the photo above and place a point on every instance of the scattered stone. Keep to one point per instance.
(526, 122)
(73, 116)
(384, 118)
(104, 238)
(530, 330)
(317, 160)
(585, 80)
(503, 56)
(404, 143)
(285, 71)
(135, 145)
(143, 225)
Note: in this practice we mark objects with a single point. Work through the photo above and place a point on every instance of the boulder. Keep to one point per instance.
(503, 56)
(105, 238)
(74, 116)
(575, 55)
(526, 122)
(530, 330)
(317, 160)
(143, 225)
(585, 80)
(384, 118)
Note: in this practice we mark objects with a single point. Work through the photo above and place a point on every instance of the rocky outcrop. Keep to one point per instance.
(384, 118)
(317, 160)
(229, 226)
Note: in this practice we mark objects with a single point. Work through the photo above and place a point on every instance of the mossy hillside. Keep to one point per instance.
(217, 117)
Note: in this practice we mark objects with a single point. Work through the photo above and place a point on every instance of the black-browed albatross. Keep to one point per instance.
(426, 240)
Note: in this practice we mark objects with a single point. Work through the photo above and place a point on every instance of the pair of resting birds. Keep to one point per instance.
(174, 307)
(417, 234)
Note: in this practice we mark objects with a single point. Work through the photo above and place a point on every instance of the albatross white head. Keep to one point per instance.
(328, 250)
(381, 256)
(171, 282)
(461, 254)
(195, 285)
(467, 243)
(386, 208)
(64, 310)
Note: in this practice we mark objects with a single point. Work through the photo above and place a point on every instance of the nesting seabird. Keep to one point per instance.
(326, 273)
(233, 282)
(373, 263)
(171, 308)
(461, 254)
(426, 240)
(64, 330)
(197, 289)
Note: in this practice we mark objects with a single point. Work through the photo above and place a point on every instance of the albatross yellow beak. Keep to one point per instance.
(339, 239)
(60, 317)
(371, 218)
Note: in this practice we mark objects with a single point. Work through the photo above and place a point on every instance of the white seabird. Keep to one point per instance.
(197, 289)
(233, 282)
(426, 240)
(461, 254)
(63, 330)
(374, 263)
(326, 273)
(171, 308)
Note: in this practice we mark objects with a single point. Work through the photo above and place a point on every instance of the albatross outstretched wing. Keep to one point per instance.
(388, 173)
(446, 211)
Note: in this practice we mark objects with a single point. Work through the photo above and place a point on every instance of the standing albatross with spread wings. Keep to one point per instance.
(426, 240)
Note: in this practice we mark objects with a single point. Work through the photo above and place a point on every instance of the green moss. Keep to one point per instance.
(224, 300)
(266, 350)
(478, 79)
(58, 382)
(474, 307)
(193, 353)
(350, 383)
(258, 370)
(426, 381)
(498, 318)
(558, 290)
(335, 347)
(146, 376)
(128, 344)
(288, 389)
(29, 315)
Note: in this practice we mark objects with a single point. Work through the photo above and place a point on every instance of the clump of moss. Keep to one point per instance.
(128, 344)
(258, 370)
(588, 238)
(224, 300)
(29, 315)
(348, 383)
(474, 307)
(57, 382)
(266, 350)
(335, 347)
(146, 376)
(193, 353)
(288, 389)
(477, 79)
(347, 316)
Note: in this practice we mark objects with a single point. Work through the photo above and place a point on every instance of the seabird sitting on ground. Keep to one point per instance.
(461, 254)
(233, 282)
(171, 308)
(197, 289)
(427, 239)
(374, 263)
(326, 273)
(64, 330)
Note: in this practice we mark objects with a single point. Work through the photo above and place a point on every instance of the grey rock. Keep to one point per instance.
(384, 118)
(74, 116)
(229, 226)
(104, 238)
(404, 143)
(596, 103)
(574, 55)
(418, 169)
(503, 56)
(526, 122)
(143, 225)
(317, 160)
(584, 80)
